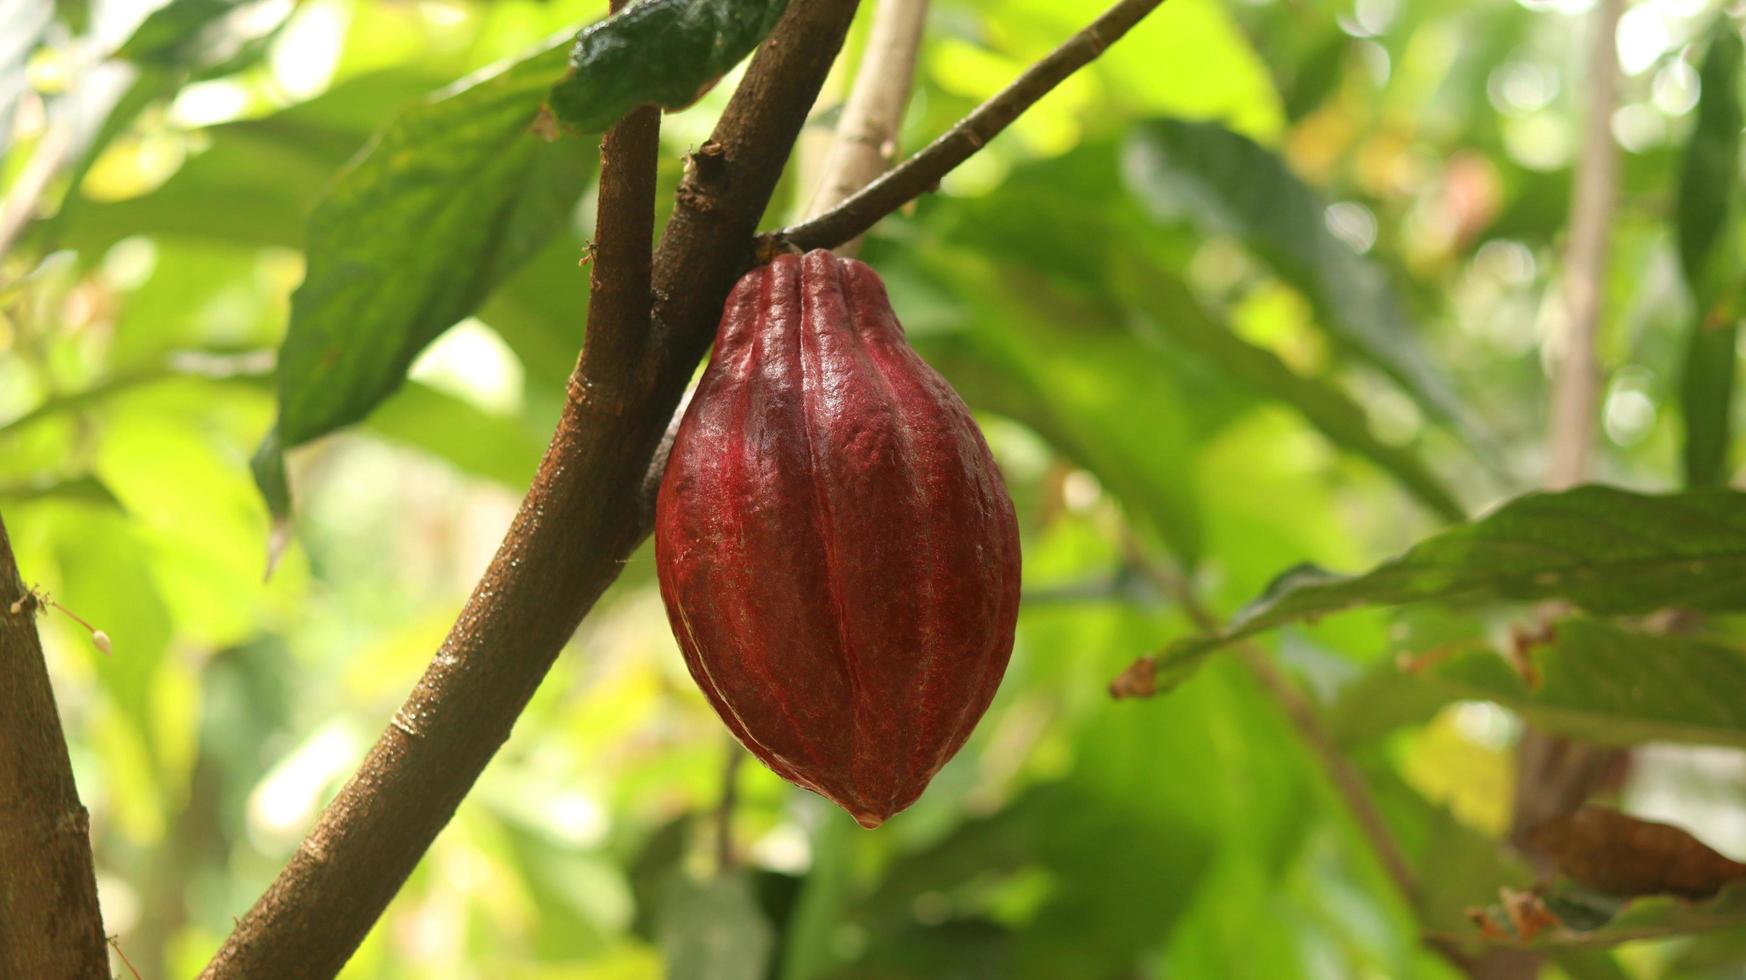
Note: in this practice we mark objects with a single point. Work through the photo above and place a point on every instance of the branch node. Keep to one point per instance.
(404, 724)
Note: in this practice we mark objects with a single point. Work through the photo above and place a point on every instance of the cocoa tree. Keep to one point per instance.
(1095, 329)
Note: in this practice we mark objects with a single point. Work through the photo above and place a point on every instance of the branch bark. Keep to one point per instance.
(580, 519)
(50, 923)
(920, 173)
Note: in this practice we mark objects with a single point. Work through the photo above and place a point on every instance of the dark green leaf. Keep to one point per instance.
(448, 201)
(1709, 183)
(1224, 182)
(1710, 254)
(713, 930)
(1609, 551)
(665, 52)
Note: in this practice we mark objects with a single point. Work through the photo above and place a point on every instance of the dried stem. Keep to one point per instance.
(1555, 776)
(1576, 374)
(922, 172)
(866, 138)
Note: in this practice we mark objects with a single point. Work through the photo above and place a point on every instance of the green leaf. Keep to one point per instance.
(1090, 388)
(713, 929)
(86, 489)
(1225, 183)
(1607, 550)
(665, 52)
(476, 442)
(1606, 924)
(255, 183)
(448, 201)
(176, 32)
(1602, 683)
(1710, 255)
(1171, 309)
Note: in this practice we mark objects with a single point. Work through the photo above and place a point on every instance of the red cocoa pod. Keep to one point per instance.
(835, 545)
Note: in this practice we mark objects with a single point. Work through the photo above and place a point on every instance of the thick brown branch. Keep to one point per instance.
(50, 925)
(922, 172)
(581, 518)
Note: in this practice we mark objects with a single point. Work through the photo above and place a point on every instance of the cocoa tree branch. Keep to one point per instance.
(921, 172)
(620, 282)
(50, 924)
(580, 519)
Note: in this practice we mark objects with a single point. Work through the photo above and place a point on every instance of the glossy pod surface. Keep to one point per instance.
(836, 548)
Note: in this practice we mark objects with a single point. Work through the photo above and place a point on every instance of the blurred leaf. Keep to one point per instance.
(166, 35)
(1594, 922)
(25, 22)
(806, 947)
(1610, 551)
(182, 41)
(1618, 854)
(1173, 310)
(1381, 700)
(1606, 684)
(1073, 372)
(246, 367)
(1710, 255)
(476, 442)
(449, 200)
(713, 930)
(85, 489)
(1226, 183)
(611, 70)
(255, 183)
(1317, 75)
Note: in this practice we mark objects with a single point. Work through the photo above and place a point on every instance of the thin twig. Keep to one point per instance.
(1554, 776)
(920, 173)
(1576, 374)
(724, 808)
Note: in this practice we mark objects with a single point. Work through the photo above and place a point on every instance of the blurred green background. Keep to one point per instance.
(1174, 370)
